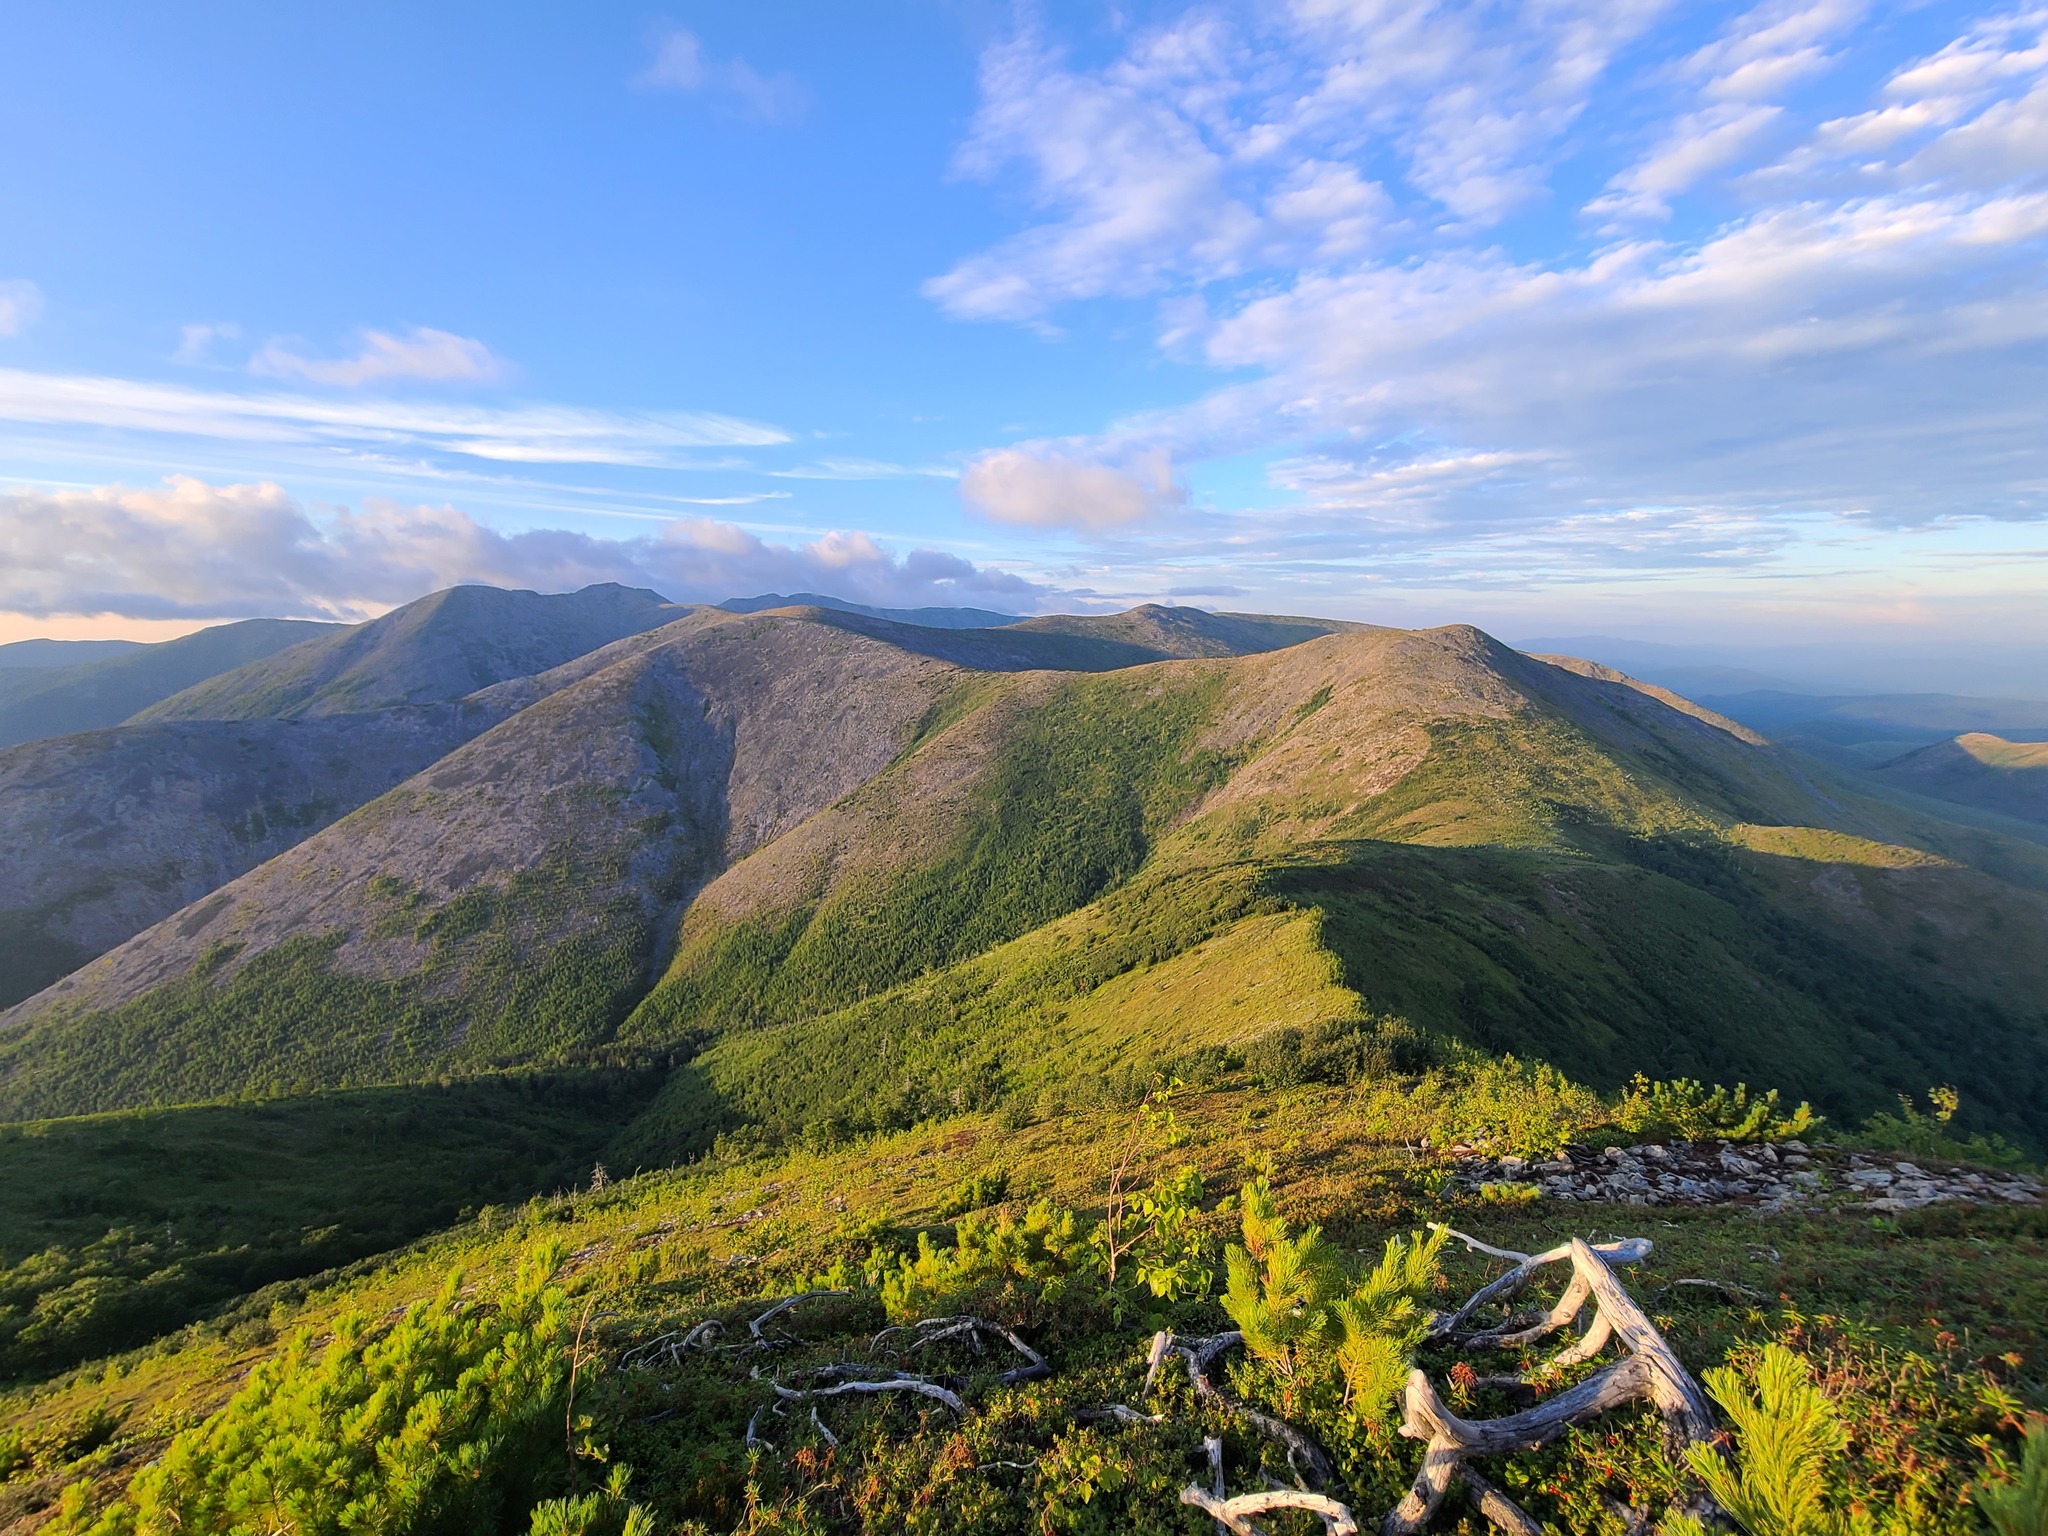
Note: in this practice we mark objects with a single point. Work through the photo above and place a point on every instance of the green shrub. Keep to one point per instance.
(1933, 1135)
(1690, 1111)
(1785, 1436)
(2018, 1506)
(443, 1423)
(1043, 1252)
(608, 1512)
(976, 1191)
(1307, 1321)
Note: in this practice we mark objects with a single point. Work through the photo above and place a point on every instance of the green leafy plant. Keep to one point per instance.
(1304, 1317)
(1932, 1134)
(976, 1191)
(1785, 1435)
(1691, 1111)
(2018, 1506)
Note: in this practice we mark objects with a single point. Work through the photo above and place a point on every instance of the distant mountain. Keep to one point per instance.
(1181, 632)
(1864, 730)
(63, 653)
(930, 618)
(437, 649)
(1977, 769)
(97, 693)
(839, 869)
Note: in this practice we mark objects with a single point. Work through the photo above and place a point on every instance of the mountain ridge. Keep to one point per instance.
(949, 796)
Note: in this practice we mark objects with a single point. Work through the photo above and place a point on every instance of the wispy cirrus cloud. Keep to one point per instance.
(190, 549)
(681, 63)
(518, 434)
(421, 355)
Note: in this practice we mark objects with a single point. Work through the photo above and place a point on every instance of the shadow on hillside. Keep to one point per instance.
(118, 1228)
(1668, 956)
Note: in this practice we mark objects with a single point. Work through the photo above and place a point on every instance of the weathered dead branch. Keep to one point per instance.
(1631, 1250)
(1650, 1371)
(935, 1330)
(1236, 1514)
(1303, 1454)
(1500, 1510)
(897, 1382)
(761, 1340)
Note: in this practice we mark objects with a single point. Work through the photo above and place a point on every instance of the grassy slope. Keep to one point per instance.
(1528, 886)
(1944, 1299)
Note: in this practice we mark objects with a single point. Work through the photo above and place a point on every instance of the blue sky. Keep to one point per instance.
(1699, 323)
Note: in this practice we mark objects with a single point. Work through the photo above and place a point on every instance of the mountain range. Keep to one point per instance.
(817, 865)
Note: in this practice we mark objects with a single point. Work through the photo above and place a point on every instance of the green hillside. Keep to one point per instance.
(1476, 848)
(869, 955)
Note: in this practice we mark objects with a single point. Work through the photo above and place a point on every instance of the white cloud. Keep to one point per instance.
(528, 434)
(195, 342)
(191, 549)
(423, 355)
(1037, 485)
(1844, 316)
(21, 302)
(681, 64)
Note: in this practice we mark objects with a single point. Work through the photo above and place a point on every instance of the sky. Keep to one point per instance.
(1698, 324)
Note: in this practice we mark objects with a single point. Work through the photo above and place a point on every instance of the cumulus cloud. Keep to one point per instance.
(680, 63)
(189, 549)
(525, 434)
(1042, 486)
(21, 302)
(421, 355)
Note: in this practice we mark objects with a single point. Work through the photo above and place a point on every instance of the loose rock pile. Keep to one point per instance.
(1771, 1177)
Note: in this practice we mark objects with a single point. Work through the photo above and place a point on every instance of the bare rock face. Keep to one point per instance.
(106, 832)
(1762, 1175)
(440, 648)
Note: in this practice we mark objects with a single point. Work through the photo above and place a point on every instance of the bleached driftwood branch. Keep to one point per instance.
(1631, 1250)
(934, 1330)
(1236, 1514)
(761, 1340)
(1650, 1371)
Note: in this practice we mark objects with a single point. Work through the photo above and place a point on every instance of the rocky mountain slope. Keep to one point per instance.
(833, 866)
(40, 702)
(106, 832)
(431, 651)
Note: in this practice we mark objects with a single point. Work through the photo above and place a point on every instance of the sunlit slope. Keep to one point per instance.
(1503, 852)
(501, 906)
(441, 647)
(838, 868)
